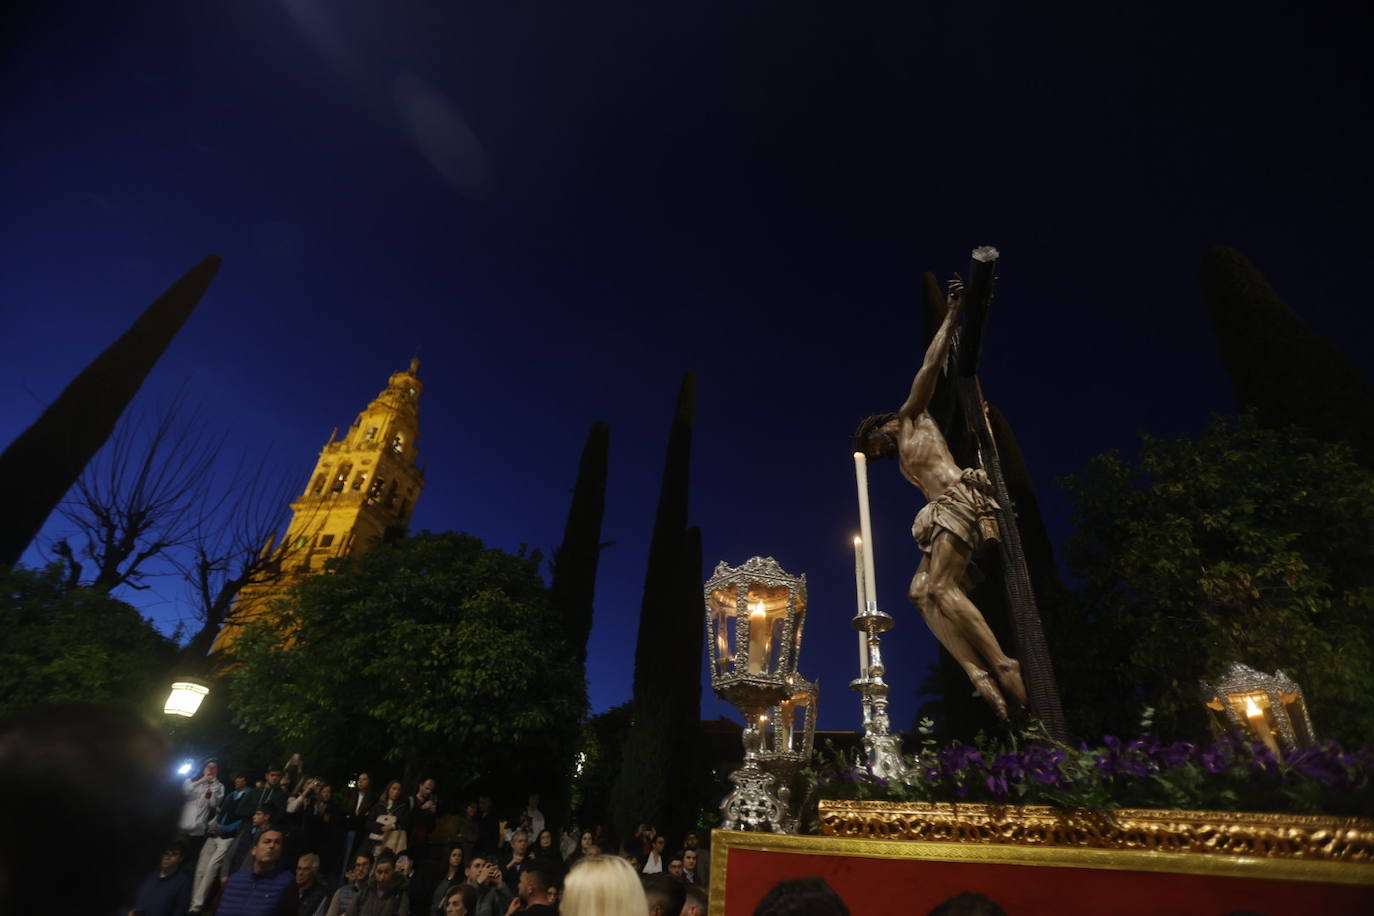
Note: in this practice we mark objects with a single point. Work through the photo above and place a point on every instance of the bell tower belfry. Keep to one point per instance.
(362, 492)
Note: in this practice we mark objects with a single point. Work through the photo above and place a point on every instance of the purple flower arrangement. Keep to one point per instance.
(1030, 768)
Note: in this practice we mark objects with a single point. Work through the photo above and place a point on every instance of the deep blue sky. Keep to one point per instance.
(565, 205)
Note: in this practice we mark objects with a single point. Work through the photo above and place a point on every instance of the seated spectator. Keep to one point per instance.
(520, 858)
(691, 868)
(167, 891)
(354, 880)
(452, 877)
(313, 892)
(603, 886)
(695, 904)
(264, 888)
(692, 843)
(586, 840)
(665, 895)
(533, 891)
(493, 897)
(801, 897)
(967, 904)
(546, 850)
(416, 889)
(459, 900)
(385, 893)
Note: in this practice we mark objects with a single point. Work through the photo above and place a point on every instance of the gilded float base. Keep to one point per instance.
(1271, 836)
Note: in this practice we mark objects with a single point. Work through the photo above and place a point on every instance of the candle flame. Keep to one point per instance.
(763, 718)
(756, 610)
(858, 541)
(1252, 708)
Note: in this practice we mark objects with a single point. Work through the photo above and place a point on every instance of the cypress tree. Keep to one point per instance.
(1279, 366)
(661, 686)
(573, 590)
(48, 457)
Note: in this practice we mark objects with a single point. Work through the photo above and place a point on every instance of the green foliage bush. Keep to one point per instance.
(1245, 544)
(432, 648)
(75, 644)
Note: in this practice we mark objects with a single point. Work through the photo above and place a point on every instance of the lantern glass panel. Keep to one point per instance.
(761, 625)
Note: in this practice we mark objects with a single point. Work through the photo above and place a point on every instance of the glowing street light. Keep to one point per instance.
(185, 698)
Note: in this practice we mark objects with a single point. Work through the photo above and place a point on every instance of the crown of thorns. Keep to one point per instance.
(867, 426)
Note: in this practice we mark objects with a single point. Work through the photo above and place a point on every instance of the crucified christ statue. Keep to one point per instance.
(959, 517)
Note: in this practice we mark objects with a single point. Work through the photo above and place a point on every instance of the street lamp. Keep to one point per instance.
(754, 618)
(1267, 707)
(185, 697)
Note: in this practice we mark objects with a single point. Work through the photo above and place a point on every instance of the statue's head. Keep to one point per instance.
(874, 439)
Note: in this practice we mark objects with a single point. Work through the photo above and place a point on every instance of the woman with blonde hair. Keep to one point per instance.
(602, 886)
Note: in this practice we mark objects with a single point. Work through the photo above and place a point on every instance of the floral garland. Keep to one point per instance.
(1027, 767)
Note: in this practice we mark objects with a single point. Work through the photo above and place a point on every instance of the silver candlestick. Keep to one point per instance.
(884, 748)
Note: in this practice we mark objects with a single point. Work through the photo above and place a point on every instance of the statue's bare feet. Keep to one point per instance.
(1009, 676)
(982, 682)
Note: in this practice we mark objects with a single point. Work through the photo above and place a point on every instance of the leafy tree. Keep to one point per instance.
(60, 644)
(1247, 544)
(432, 651)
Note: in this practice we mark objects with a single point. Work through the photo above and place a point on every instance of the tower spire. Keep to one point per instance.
(363, 491)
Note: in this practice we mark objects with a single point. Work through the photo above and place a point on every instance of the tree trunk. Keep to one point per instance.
(48, 457)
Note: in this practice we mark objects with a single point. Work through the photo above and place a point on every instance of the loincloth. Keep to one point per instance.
(966, 510)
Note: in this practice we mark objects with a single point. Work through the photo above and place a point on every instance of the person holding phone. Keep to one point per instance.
(201, 797)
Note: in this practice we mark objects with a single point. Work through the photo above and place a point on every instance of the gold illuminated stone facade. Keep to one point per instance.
(363, 491)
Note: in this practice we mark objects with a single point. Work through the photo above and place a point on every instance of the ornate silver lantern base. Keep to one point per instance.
(884, 748)
(752, 805)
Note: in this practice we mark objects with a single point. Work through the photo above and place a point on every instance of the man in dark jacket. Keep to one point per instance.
(167, 891)
(312, 891)
(385, 894)
(356, 803)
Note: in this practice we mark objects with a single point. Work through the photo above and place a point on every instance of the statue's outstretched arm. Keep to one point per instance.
(923, 386)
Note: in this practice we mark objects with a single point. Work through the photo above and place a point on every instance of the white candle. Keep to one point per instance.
(866, 529)
(758, 638)
(1259, 726)
(859, 599)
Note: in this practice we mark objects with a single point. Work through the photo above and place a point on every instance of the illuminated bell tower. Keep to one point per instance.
(362, 492)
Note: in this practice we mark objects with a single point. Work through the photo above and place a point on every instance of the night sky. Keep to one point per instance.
(563, 206)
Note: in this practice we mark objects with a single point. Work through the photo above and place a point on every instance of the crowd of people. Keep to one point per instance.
(286, 842)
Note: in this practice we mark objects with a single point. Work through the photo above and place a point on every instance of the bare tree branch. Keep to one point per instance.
(245, 545)
(141, 497)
